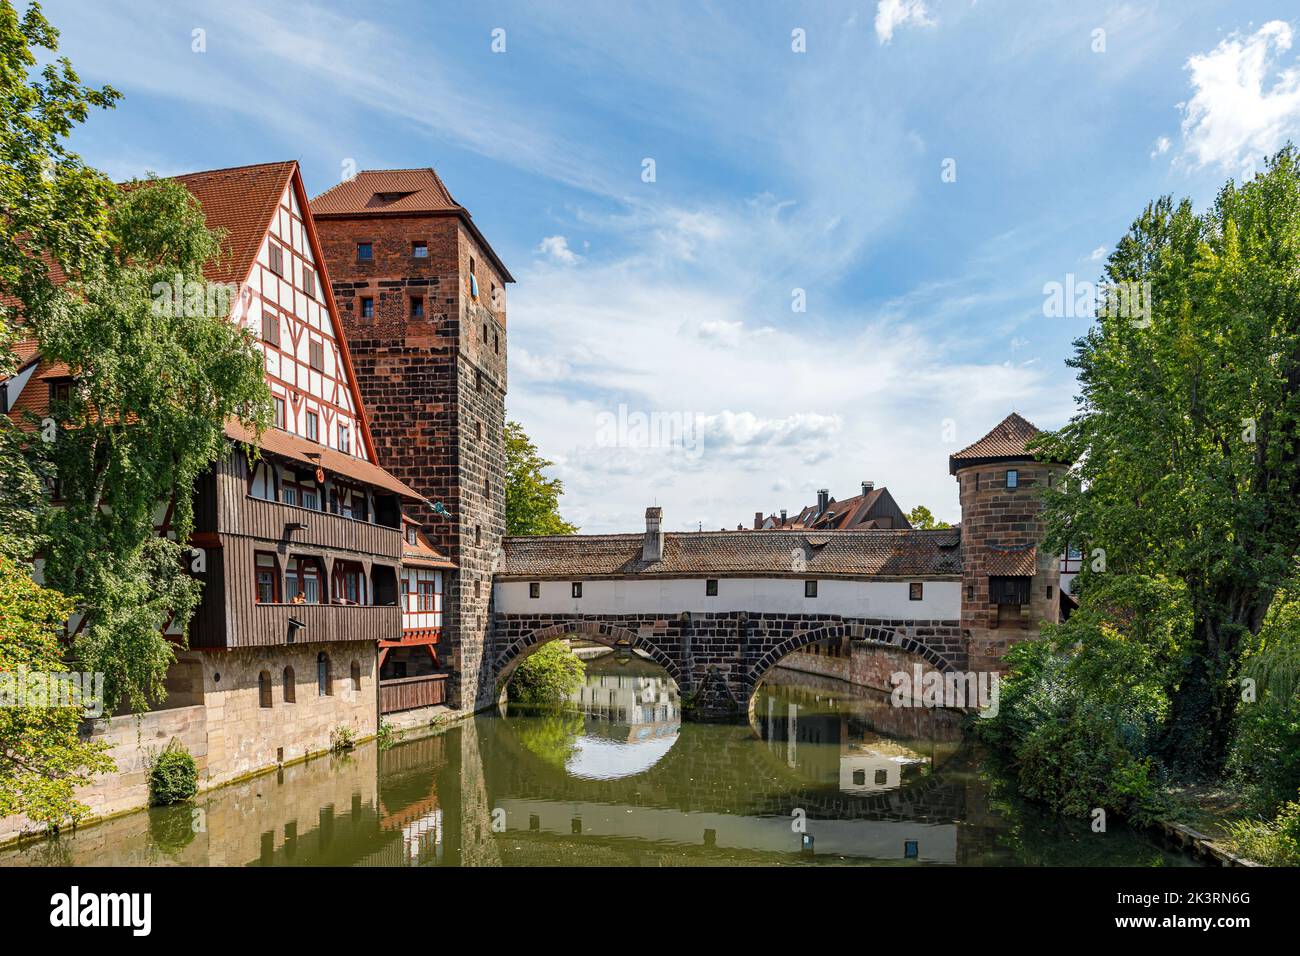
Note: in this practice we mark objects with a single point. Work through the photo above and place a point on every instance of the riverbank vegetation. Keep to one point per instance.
(1180, 664)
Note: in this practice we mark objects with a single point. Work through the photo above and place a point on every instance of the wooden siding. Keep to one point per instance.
(408, 693)
(229, 615)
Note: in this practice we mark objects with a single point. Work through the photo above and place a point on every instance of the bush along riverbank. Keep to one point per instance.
(1085, 715)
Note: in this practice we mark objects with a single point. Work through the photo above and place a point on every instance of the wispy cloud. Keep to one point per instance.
(892, 14)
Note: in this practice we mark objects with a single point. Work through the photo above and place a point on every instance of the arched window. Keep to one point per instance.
(290, 686)
(356, 676)
(323, 688)
(264, 688)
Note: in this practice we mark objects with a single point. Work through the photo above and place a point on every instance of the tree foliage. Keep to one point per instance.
(154, 388)
(547, 676)
(42, 759)
(923, 519)
(532, 499)
(1187, 440)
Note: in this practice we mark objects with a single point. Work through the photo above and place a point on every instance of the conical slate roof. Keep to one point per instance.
(1006, 442)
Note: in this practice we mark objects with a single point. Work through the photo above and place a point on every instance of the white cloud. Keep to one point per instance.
(1097, 254)
(1161, 146)
(557, 248)
(1246, 102)
(891, 14)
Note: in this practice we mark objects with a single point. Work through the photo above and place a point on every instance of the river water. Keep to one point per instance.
(824, 774)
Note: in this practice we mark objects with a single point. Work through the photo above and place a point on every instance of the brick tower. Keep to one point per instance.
(1010, 583)
(422, 296)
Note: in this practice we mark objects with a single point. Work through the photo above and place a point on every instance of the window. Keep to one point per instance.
(324, 684)
(417, 307)
(426, 592)
(419, 250)
(534, 589)
(1013, 478)
(577, 589)
(290, 686)
(478, 430)
(1009, 590)
(410, 534)
(279, 412)
(60, 392)
(915, 591)
(473, 280)
(309, 283)
(487, 490)
(264, 689)
(316, 356)
(345, 439)
(365, 252)
(496, 343)
(302, 580)
(367, 307)
(485, 333)
(313, 426)
(478, 534)
(711, 587)
(268, 578)
(970, 592)
(277, 259)
(261, 483)
(810, 589)
(270, 328)
(355, 671)
(349, 583)
(478, 380)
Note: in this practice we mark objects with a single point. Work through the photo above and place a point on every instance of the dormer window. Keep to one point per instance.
(410, 534)
(1013, 478)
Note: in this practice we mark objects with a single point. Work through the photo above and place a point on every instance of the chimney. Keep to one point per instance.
(868, 487)
(758, 521)
(823, 500)
(653, 548)
(782, 517)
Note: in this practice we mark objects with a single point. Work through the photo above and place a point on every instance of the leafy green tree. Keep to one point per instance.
(922, 519)
(532, 499)
(155, 383)
(547, 676)
(1187, 439)
(53, 210)
(42, 759)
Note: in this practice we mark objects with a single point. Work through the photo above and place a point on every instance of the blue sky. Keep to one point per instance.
(774, 171)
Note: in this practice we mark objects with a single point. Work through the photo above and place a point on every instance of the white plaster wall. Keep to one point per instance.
(885, 599)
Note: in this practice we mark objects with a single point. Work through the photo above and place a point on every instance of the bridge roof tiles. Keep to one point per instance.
(844, 554)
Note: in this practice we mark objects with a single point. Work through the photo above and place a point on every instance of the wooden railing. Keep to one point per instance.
(407, 693)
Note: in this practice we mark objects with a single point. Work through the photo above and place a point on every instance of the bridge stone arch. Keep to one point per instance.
(884, 637)
(600, 632)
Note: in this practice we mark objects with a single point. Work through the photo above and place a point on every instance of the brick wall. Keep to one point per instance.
(994, 515)
(434, 388)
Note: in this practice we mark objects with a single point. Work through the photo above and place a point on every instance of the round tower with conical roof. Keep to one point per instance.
(1010, 582)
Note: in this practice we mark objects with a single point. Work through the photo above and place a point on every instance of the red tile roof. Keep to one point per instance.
(1008, 440)
(785, 553)
(386, 190)
(1019, 562)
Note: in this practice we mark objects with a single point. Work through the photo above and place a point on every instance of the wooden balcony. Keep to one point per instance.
(408, 693)
(262, 625)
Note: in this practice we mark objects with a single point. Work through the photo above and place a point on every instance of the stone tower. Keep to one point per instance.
(422, 296)
(1010, 583)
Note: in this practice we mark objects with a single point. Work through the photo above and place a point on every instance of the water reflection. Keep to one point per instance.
(619, 779)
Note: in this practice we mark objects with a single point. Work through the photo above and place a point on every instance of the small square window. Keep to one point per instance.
(810, 589)
(417, 307)
(577, 589)
(419, 250)
(711, 587)
(367, 307)
(365, 252)
(535, 589)
(1013, 478)
(915, 591)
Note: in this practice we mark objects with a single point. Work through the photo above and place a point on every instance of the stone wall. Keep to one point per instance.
(996, 517)
(434, 388)
(133, 741)
(718, 659)
(245, 737)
